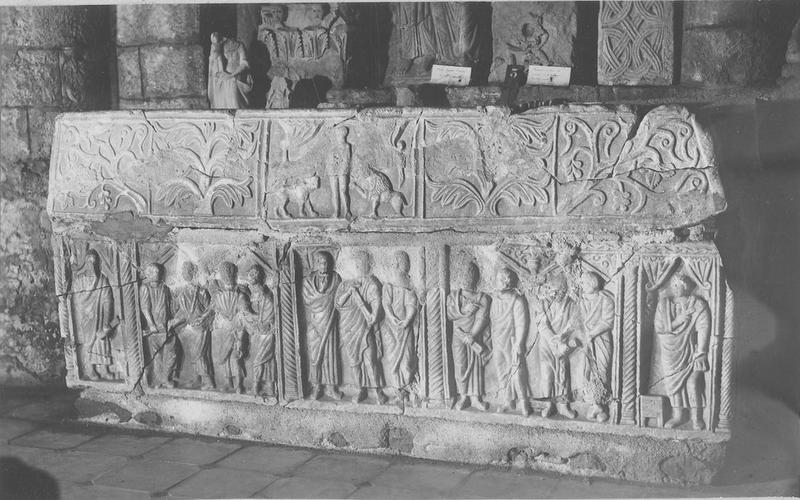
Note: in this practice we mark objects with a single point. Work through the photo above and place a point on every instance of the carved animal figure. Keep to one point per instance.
(377, 188)
(296, 190)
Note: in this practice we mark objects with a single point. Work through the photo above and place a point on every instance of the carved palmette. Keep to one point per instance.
(131, 330)
(291, 386)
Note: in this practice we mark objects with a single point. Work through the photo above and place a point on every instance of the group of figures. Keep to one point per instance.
(317, 48)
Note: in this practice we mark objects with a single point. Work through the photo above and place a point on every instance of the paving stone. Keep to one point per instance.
(45, 411)
(352, 469)
(10, 428)
(147, 476)
(425, 477)
(192, 451)
(7, 402)
(274, 460)
(223, 483)
(79, 466)
(54, 440)
(303, 487)
(582, 488)
(389, 493)
(500, 484)
(124, 445)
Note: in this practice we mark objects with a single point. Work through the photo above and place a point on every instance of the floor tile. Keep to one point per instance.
(424, 477)
(504, 484)
(78, 466)
(72, 491)
(45, 411)
(51, 439)
(304, 487)
(191, 451)
(11, 428)
(223, 483)
(389, 493)
(146, 476)
(347, 468)
(124, 445)
(278, 461)
(587, 488)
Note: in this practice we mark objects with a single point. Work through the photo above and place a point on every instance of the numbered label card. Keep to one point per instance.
(556, 76)
(454, 76)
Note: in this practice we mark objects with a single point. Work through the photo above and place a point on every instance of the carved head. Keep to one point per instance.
(188, 271)
(153, 272)
(216, 37)
(340, 134)
(273, 14)
(469, 277)
(93, 262)
(402, 262)
(318, 11)
(590, 282)
(256, 275)
(506, 279)
(362, 263)
(323, 262)
(227, 274)
(681, 285)
(558, 285)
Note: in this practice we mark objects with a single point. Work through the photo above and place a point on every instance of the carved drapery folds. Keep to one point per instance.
(308, 257)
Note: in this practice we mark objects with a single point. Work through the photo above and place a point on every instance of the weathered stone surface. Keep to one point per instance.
(13, 135)
(707, 13)
(129, 74)
(173, 71)
(30, 78)
(733, 56)
(84, 79)
(145, 24)
(165, 103)
(42, 123)
(54, 27)
(353, 98)
(635, 43)
(526, 33)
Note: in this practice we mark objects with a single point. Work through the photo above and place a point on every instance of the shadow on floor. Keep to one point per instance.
(20, 481)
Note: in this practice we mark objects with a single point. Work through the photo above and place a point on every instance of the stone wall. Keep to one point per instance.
(52, 59)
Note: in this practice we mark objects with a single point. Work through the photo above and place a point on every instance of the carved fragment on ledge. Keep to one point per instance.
(413, 169)
(635, 43)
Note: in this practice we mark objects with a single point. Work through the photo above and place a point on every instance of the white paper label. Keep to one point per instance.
(556, 76)
(455, 76)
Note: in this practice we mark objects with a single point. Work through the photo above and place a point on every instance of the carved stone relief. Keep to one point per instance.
(525, 33)
(229, 79)
(635, 43)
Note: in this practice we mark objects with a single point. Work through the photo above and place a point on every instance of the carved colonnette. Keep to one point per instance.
(530, 271)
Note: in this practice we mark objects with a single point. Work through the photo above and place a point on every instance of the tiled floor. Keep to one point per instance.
(44, 453)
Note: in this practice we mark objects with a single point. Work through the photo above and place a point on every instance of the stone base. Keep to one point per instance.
(567, 447)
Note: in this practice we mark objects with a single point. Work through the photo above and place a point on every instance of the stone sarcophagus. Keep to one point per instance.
(537, 289)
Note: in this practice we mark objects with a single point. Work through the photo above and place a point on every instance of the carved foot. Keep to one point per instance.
(566, 411)
(478, 404)
(380, 397)
(360, 396)
(526, 409)
(335, 393)
(698, 424)
(673, 422)
(318, 390)
(549, 410)
(463, 403)
(602, 416)
(207, 384)
(94, 376)
(593, 411)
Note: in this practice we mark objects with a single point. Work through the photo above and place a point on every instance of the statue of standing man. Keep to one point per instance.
(322, 330)
(597, 318)
(193, 311)
(228, 334)
(156, 304)
(400, 306)
(359, 304)
(260, 326)
(680, 351)
(94, 309)
(509, 317)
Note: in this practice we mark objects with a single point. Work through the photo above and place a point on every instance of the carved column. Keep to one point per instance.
(629, 344)
(435, 279)
(61, 271)
(127, 253)
(291, 384)
(726, 377)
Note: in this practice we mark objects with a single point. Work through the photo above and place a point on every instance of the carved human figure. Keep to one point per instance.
(229, 78)
(555, 319)
(529, 42)
(322, 329)
(193, 315)
(155, 300)
(469, 309)
(338, 170)
(275, 35)
(401, 306)
(227, 334)
(94, 310)
(509, 320)
(278, 93)
(435, 32)
(680, 350)
(316, 36)
(359, 304)
(262, 334)
(597, 318)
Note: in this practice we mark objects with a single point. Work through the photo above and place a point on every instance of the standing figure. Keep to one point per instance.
(555, 317)
(680, 351)
(338, 170)
(277, 37)
(194, 314)
(156, 303)
(400, 306)
(262, 333)
(322, 328)
(228, 335)
(94, 310)
(229, 79)
(597, 318)
(468, 309)
(509, 317)
(359, 304)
